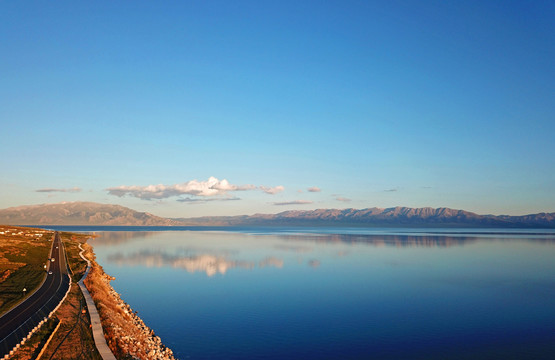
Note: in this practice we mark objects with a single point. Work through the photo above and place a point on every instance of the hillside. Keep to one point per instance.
(80, 213)
(386, 217)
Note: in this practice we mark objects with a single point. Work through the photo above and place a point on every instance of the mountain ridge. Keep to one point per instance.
(80, 213)
(90, 213)
(395, 216)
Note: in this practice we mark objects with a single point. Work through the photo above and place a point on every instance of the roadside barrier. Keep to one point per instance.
(37, 327)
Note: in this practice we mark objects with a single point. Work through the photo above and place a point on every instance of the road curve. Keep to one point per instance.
(18, 322)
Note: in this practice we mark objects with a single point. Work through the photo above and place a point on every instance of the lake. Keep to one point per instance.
(339, 293)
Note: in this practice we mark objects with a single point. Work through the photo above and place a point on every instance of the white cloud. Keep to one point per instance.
(49, 190)
(342, 199)
(295, 202)
(271, 190)
(191, 200)
(210, 187)
(202, 189)
(314, 189)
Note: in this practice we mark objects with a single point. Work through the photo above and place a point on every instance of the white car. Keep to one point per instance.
(50, 273)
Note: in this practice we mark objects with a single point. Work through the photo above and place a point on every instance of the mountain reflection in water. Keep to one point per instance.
(386, 240)
(288, 294)
(210, 261)
(415, 239)
(120, 237)
(400, 240)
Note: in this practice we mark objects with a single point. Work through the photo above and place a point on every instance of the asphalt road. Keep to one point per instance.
(18, 322)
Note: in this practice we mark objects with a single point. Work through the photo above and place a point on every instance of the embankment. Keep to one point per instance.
(126, 334)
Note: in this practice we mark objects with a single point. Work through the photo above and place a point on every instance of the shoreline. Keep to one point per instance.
(125, 332)
(126, 335)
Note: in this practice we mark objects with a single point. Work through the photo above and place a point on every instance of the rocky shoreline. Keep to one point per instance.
(126, 333)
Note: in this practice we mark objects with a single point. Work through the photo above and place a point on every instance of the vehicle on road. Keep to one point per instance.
(50, 273)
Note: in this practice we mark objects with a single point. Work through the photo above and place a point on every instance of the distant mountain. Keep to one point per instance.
(373, 217)
(88, 213)
(80, 213)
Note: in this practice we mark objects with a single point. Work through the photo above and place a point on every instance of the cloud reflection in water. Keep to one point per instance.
(211, 264)
(271, 261)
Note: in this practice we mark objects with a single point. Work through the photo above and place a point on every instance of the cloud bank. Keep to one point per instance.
(314, 189)
(212, 187)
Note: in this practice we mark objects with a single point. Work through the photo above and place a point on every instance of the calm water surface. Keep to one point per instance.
(301, 295)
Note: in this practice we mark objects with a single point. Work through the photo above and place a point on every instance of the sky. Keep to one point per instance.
(196, 108)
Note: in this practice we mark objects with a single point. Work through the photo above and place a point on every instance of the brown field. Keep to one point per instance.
(23, 254)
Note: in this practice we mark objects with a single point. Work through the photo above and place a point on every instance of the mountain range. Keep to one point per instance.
(89, 213)
(80, 213)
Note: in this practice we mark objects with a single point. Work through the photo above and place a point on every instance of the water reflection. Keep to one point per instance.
(292, 248)
(217, 252)
(271, 261)
(120, 237)
(381, 240)
(314, 263)
(211, 264)
(396, 240)
(340, 296)
(423, 240)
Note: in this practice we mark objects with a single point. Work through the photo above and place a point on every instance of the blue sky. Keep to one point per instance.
(385, 103)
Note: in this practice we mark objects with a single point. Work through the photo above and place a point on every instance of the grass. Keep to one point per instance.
(22, 260)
